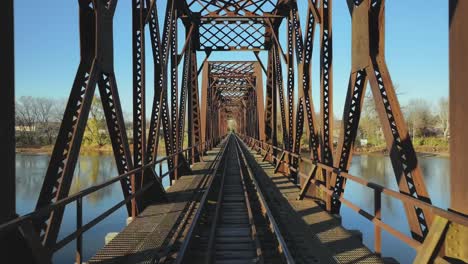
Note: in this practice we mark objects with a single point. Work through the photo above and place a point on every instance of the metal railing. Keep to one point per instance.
(378, 190)
(78, 198)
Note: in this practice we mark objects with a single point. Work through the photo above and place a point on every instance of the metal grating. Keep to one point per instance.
(245, 34)
(231, 7)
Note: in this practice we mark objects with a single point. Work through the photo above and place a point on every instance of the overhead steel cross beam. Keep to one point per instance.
(233, 24)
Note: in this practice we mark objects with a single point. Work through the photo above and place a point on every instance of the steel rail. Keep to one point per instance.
(186, 243)
(214, 224)
(274, 226)
(189, 211)
(249, 208)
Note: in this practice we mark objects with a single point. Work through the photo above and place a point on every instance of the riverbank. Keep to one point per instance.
(421, 150)
(49, 148)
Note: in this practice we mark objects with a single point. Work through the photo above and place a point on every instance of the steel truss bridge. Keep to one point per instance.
(228, 164)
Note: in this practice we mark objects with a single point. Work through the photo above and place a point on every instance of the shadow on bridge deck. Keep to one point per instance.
(146, 236)
(312, 234)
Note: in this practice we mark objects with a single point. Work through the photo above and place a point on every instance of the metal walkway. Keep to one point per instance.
(234, 210)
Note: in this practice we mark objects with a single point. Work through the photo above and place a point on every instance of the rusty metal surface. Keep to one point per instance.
(458, 56)
(404, 161)
(95, 68)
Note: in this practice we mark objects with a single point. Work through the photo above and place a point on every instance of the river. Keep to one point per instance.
(96, 168)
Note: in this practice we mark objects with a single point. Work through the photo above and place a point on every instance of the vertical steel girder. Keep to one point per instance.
(368, 62)
(15, 240)
(160, 112)
(96, 19)
(259, 103)
(7, 113)
(326, 82)
(270, 105)
(194, 123)
(458, 98)
(156, 192)
(305, 105)
(290, 87)
(205, 104)
(139, 89)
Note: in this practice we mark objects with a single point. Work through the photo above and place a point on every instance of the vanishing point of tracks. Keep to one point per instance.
(232, 223)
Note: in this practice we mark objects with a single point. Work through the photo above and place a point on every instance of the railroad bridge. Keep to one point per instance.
(241, 193)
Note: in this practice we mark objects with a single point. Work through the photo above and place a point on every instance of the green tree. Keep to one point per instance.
(96, 130)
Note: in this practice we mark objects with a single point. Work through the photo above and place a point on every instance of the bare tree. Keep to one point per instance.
(443, 116)
(419, 117)
(44, 108)
(26, 119)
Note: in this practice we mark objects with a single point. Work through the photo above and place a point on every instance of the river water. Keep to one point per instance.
(97, 168)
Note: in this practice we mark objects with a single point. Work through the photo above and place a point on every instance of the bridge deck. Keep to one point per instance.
(146, 235)
(312, 234)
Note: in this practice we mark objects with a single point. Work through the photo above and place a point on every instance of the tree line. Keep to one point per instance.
(38, 121)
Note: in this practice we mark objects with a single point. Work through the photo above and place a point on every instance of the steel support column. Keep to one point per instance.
(15, 239)
(7, 112)
(96, 67)
(368, 62)
(260, 102)
(458, 98)
(194, 130)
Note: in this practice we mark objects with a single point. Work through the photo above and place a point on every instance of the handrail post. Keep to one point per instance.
(134, 205)
(79, 225)
(160, 170)
(378, 216)
(328, 187)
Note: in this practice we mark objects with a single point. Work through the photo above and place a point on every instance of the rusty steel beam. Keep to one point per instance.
(7, 113)
(368, 62)
(270, 103)
(96, 35)
(305, 106)
(160, 111)
(18, 240)
(279, 91)
(326, 81)
(156, 192)
(458, 98)
(289, 139)
(174, 91)
(260, 102)
(139, 88)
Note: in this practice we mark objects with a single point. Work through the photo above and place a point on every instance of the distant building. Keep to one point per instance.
(25, 128)
(363, 142)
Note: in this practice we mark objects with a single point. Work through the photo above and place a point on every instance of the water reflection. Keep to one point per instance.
(378, 169)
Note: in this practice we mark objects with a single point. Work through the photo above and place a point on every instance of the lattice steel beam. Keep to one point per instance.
(368, 62)
(95, 68)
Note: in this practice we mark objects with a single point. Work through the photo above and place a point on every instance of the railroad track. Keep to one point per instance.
(232, 223)
(172, 245)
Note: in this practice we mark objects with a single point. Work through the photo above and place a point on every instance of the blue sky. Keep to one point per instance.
(47, 49)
